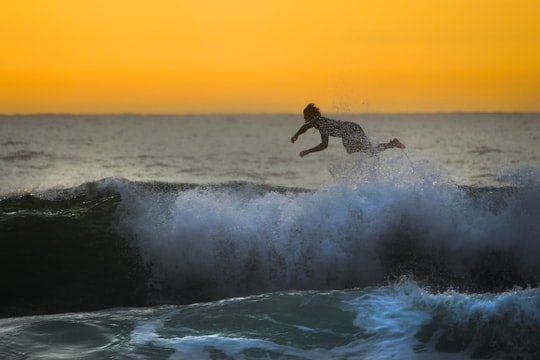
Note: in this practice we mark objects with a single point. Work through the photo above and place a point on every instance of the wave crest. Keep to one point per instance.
(182, 243)
(228, 243)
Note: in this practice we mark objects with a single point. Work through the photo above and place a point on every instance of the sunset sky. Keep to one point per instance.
(165, 56)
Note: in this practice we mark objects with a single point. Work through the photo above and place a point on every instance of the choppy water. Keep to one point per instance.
(208, 237)
(43, 152)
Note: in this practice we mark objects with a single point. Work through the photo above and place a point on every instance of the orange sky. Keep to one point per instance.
(165, 56)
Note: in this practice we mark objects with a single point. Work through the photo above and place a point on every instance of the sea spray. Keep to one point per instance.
(181, 243)
(235, 241)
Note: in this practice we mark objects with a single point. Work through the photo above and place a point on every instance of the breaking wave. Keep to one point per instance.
(115, 242)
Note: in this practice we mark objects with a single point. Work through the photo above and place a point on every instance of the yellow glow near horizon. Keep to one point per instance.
(165, 56)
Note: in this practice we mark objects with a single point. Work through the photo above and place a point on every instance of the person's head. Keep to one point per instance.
(311, 112)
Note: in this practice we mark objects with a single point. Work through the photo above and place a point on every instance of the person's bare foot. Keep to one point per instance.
(396, 143)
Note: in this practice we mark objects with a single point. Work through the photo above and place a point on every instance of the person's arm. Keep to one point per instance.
(323, 145)
(302, 130)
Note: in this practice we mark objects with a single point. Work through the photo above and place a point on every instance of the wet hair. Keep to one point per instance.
(311, 112)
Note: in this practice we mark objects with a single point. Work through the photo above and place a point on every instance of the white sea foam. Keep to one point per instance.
(251, 241)
(407, 322)
(400, 320)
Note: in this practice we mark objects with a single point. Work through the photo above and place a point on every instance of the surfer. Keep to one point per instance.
(353, 136)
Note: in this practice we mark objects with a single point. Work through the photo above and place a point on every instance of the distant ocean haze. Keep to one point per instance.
(41, 152)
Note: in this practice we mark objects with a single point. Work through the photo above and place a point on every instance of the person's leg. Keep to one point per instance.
(395, 143)
(357, 143)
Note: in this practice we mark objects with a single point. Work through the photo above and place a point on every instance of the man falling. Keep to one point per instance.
(353, 137)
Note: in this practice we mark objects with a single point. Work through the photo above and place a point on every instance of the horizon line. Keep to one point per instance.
(263, 113)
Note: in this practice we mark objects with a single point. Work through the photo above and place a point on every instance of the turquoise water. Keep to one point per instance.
(396, 321)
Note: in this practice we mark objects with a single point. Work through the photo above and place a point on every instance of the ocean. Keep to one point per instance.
(208, 237)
